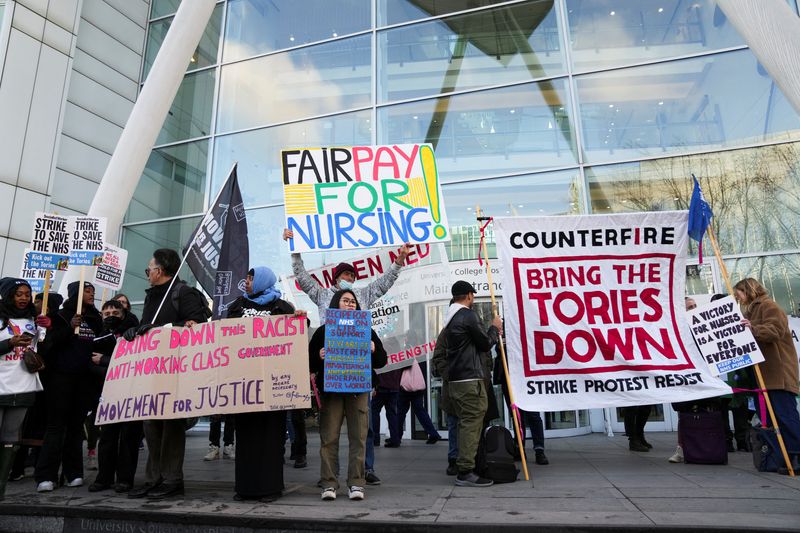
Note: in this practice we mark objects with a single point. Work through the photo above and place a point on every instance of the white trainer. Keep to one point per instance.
(213, 453)
(77, 482)
(677, 457)
(329, 494)
(356, 493)
(229, 451)
(45, 486)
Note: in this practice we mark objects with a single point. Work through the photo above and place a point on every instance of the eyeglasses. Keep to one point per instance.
(148, 270)
(347, 301)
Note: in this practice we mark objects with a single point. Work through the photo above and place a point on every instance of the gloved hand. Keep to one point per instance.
(43, 322)
(131, 333)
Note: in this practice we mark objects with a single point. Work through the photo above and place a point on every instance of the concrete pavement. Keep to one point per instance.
(593, 483)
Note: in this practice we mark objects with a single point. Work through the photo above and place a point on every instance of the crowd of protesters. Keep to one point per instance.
(75, 345)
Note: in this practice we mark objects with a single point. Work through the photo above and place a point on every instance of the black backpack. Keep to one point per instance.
(182, 290)
(498, 455)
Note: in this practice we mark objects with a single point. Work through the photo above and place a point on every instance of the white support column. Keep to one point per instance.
(771, 28)
(141, 131)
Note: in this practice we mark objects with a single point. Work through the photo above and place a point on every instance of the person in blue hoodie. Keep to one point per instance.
(260, 435)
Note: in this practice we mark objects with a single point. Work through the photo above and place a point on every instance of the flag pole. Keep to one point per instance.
(191, 241)
(757, 367)
(495, 314)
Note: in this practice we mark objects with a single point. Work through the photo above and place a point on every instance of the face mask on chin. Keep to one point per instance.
(344, 284)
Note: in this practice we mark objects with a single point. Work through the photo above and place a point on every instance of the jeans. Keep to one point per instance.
(369, 455)
(452, 437)
(415, 401)
(470, 402)
(388, 399)
(784, 404)
(335, 408)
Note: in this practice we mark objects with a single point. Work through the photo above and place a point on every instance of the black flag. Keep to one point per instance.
(219, 253)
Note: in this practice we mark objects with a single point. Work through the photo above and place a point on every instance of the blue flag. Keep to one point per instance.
(699, 216)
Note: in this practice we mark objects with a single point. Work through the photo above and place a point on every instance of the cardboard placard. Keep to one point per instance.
(49, 242)
(236, 365)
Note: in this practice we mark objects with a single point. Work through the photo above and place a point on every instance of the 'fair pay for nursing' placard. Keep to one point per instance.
(725, 343)
(362, 197)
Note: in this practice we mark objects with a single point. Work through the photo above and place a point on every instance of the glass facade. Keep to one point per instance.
(533, 106)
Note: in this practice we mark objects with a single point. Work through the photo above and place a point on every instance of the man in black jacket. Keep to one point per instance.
(466, 340)
(182, 306)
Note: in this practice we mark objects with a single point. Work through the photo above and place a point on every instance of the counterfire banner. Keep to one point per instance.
(362, 197)
(595, 313)
(236, 365)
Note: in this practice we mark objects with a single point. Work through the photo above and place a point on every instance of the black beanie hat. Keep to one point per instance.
(72, 289)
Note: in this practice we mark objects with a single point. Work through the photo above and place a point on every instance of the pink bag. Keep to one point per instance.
(412, 379)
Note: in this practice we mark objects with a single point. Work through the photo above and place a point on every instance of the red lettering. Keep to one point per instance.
(358, 159)
(391, 163)
(539, 338)
(410, 158)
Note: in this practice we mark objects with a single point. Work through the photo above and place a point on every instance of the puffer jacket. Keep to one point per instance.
(466, 341)
(322, 296)
(770, 327)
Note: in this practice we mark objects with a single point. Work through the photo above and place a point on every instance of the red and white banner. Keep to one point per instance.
(595, 313)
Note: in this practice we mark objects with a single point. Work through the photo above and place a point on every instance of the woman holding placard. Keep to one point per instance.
(260, 435)
(770, 327)
(336, 407)
(18, 382)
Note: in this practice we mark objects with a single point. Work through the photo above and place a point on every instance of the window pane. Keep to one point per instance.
(780, 275)
(173, 183)
(754, 193)
(142, 240)
(498, 46)
(549, 193)
(716, 101)
(190, 114)
(610, 32)
(397, 11)
(160, 8)
(502, 131)
(264, 228)
(302, 83)
(259, 26)
(204, 55)
(259, 152)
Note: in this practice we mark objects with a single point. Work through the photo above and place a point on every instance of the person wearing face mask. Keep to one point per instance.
(118, 448)
(67, 381)
(344, 276)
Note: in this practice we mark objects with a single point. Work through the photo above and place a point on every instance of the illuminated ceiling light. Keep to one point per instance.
(415, 117)
(291, 38)
(613, 13)
(661, 102)
(335, 34)
(610, 106)
(660, 9)
(512, 111)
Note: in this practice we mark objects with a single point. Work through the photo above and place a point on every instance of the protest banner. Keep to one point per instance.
(34, 276)
(362, 197)
(236, 365)
(111, 271)
(86, 240)
(405, 357)
(49, 242)
(725, 343)
(348, 354)
(594, 311)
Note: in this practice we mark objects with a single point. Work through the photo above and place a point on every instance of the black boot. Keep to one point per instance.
(7, 453)
(636, 445)
(452, 469)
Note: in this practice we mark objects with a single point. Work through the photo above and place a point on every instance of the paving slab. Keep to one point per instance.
(592, 484)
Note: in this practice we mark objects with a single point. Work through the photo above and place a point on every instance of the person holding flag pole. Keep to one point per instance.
(700, 215)
(217, 264)
(483, 256)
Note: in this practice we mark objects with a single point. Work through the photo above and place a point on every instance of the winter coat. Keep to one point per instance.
(321, 296)
(467, 344)
(190, 305)
(770, 327)
(243, 307)
(71, 353)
